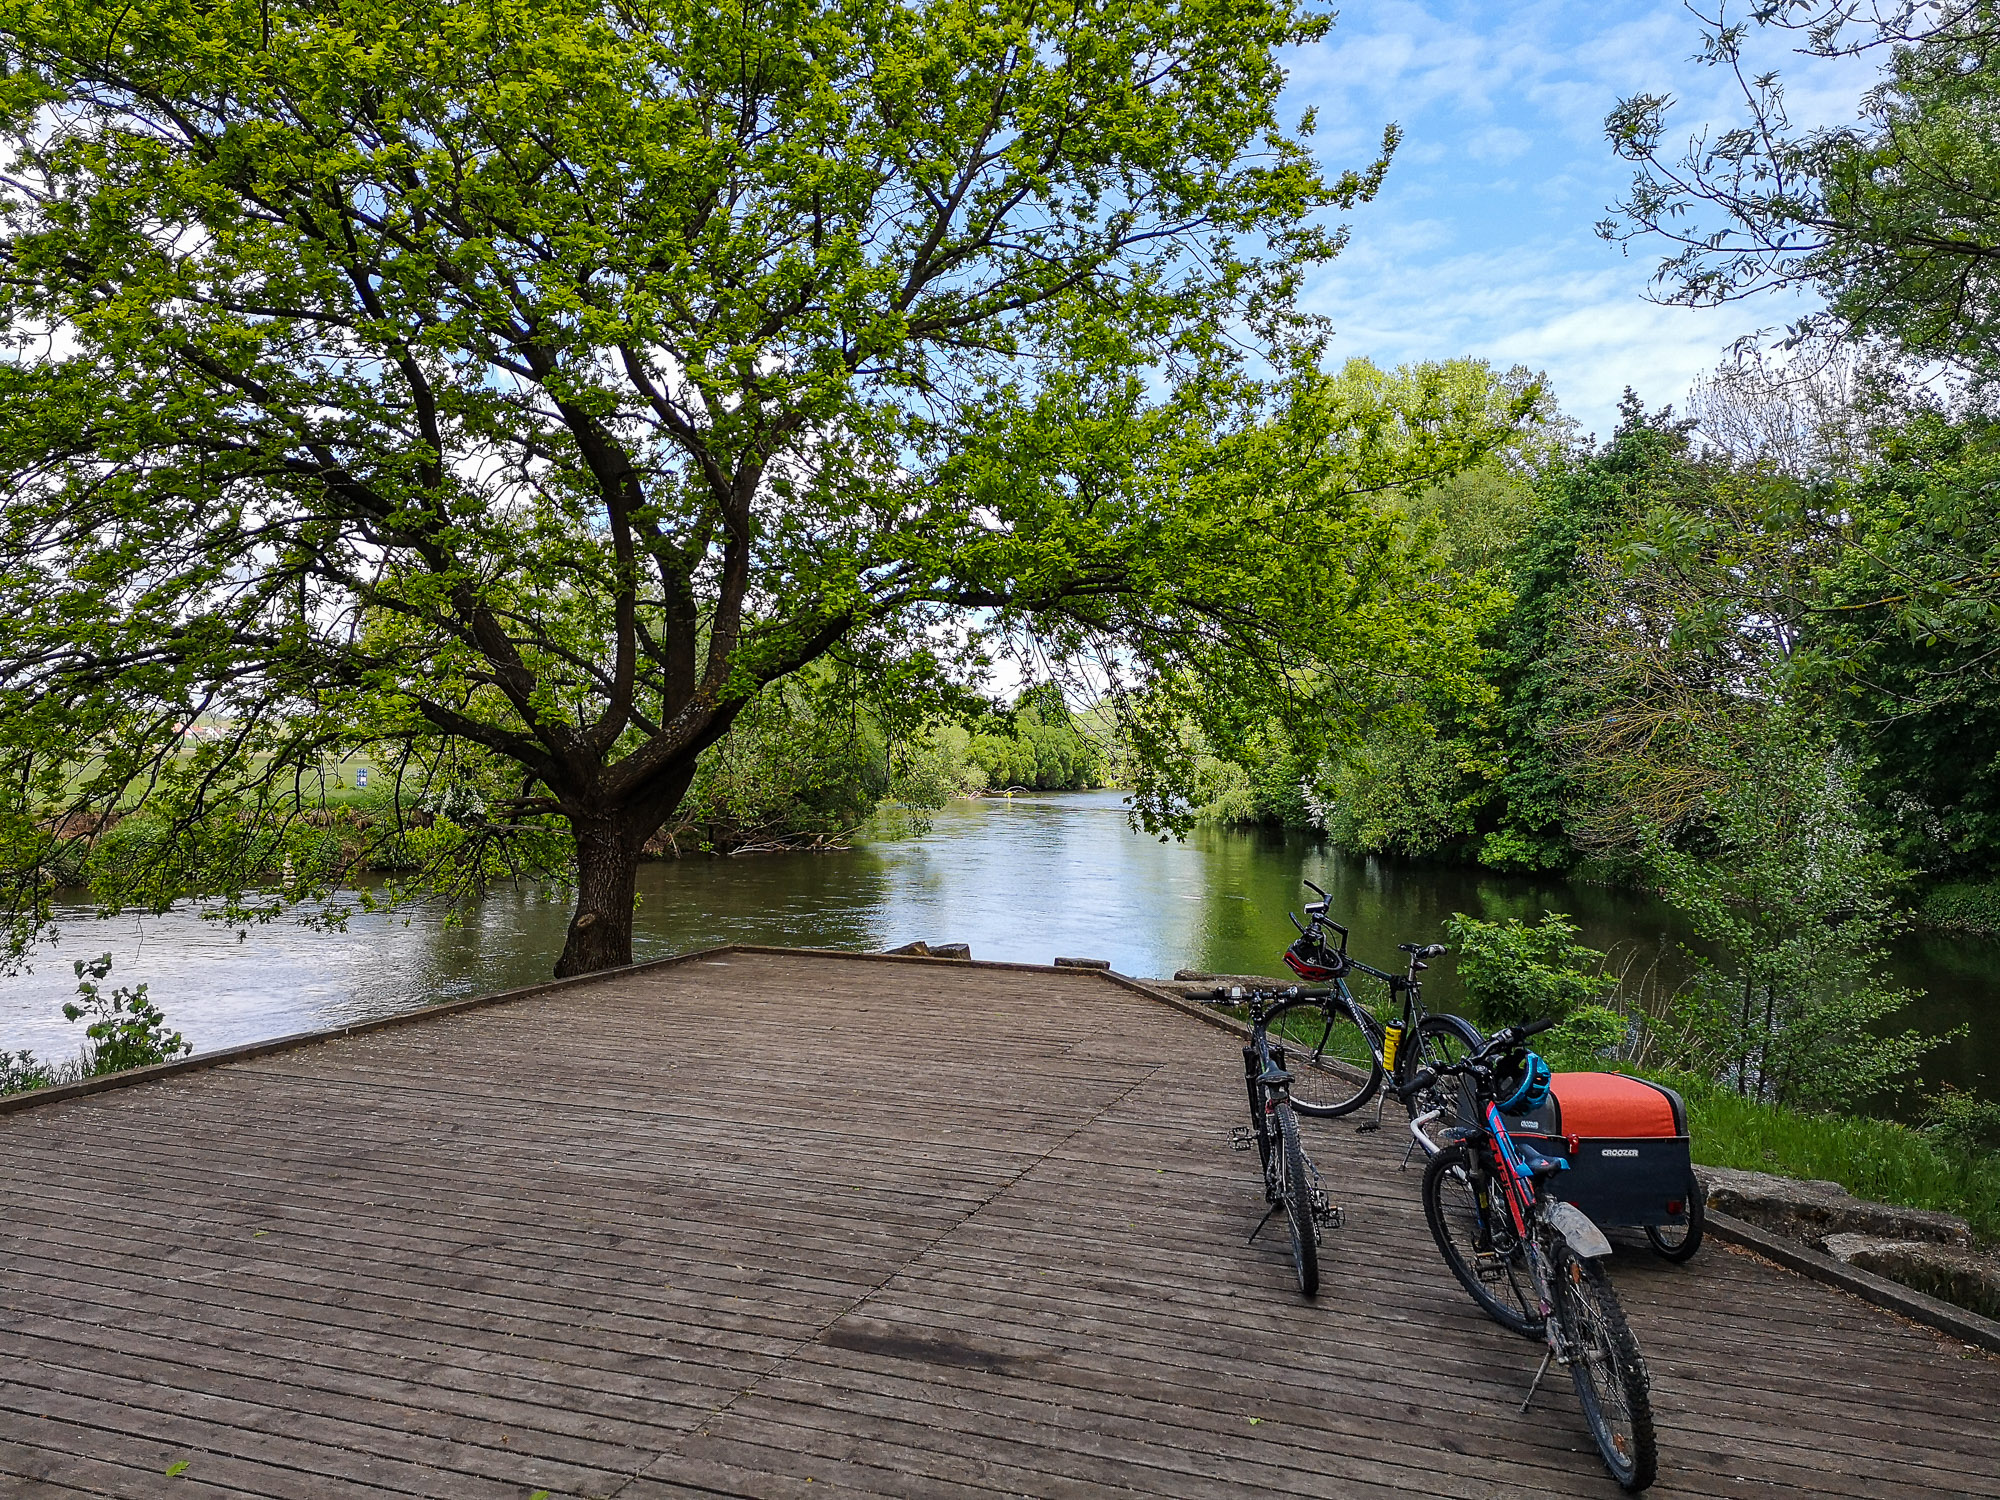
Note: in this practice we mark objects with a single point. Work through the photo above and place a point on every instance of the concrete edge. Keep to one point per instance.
(1960, 1323)
(245, 1051)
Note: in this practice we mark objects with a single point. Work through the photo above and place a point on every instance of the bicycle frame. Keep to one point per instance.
(1520, 1188)
(1262, 1055)
(1259, 1059)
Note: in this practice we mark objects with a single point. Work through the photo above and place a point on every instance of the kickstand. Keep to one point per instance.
(1535, 1384)
(1375, 1124)
(1408, 1151)
(1269, 1214)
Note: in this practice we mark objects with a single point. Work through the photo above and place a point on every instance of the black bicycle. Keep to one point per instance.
(1532, 1261)
(1339, 1054)
(1292, 1184)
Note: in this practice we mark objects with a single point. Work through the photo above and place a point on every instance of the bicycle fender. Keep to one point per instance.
(1584, 1237)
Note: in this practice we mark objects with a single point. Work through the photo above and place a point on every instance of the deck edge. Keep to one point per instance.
(292, 1041)
(1960, 1323)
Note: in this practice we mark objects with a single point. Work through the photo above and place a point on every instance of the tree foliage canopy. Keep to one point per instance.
(1894, 219)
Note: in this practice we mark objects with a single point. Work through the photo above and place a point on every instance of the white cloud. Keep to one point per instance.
(1454, 258)
(1498, 143)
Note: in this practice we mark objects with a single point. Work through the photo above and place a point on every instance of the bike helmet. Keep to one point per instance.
(1313, 960)
(1522, 1085)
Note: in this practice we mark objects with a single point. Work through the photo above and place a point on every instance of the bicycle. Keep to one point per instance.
(1292, 1184)
(1341, 1054)
(1487, 1202)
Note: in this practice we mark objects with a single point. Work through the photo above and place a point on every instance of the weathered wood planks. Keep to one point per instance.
(781, 1225)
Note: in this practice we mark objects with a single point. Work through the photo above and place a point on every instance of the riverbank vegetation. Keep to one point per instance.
(122, 1030)
(1764, 1094)
(1746, 656)
(1805, 562)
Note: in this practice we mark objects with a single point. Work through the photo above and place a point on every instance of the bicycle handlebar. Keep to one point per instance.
(1479, 1063)
(1236, 994)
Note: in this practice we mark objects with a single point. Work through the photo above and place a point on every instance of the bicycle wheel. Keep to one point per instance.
(1299, 1228)
(1474, 1233)
(1605, 1364)
(1678, 1242)
(1439, 1040)
(1331, 1059)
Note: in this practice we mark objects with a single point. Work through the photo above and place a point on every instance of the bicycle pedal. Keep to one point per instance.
(1366, 1126)
(1328, 1215)
(1242, 1138)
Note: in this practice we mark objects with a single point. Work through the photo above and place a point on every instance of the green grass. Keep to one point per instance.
(1871, 1158)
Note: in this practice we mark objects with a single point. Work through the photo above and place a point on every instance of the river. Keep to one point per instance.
(1025, 879)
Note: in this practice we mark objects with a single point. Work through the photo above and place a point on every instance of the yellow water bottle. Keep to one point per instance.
(1390, 1038)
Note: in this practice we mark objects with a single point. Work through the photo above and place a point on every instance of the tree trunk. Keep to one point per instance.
(607, 880)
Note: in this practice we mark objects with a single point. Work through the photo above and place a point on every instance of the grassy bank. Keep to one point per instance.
(1871, 1158)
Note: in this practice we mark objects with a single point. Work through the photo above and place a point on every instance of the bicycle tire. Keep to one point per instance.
(1606, 1367)
(1439, 1039)
(1317, 1035)
(1470, 1237)
(1678, 1242)
(1299, 1230)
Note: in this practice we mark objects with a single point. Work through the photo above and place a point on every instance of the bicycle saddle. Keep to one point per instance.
(1425, 950)
(1274, 1078)
(1537, 1165)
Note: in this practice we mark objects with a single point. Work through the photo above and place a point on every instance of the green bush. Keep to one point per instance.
(21, 1071)
(126, 1029)
(1515, 972)
(1962, 906)
(1593, 1036)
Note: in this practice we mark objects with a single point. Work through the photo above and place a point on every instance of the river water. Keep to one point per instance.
(1026, 879)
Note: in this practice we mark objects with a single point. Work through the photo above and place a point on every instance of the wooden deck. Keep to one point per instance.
(790, 1226)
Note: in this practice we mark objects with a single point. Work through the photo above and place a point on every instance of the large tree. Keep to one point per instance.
(1894, 219)
(544, 377)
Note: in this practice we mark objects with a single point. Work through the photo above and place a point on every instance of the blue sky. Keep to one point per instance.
(1482, 241)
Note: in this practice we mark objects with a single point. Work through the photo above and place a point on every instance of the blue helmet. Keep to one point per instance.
(1529, 1091)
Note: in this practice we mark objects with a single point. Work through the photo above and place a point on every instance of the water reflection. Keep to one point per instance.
(1026, 879)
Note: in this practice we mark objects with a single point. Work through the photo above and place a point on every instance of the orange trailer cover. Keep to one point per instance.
(1610, 1105)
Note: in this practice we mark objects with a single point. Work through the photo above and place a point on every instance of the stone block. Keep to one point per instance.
(1956, 1276)
(1808, 1210)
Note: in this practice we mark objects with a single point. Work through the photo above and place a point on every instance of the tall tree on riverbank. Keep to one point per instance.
(1893, 219)
(546, 376)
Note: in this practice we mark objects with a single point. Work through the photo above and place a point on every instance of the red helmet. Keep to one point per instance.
(1313, 961)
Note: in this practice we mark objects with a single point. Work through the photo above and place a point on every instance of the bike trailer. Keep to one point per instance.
(1627, 1145)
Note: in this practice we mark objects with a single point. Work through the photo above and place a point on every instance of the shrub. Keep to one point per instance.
(126, 1030)
(1962, 906)
(1515, 972)
(21, 1071)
